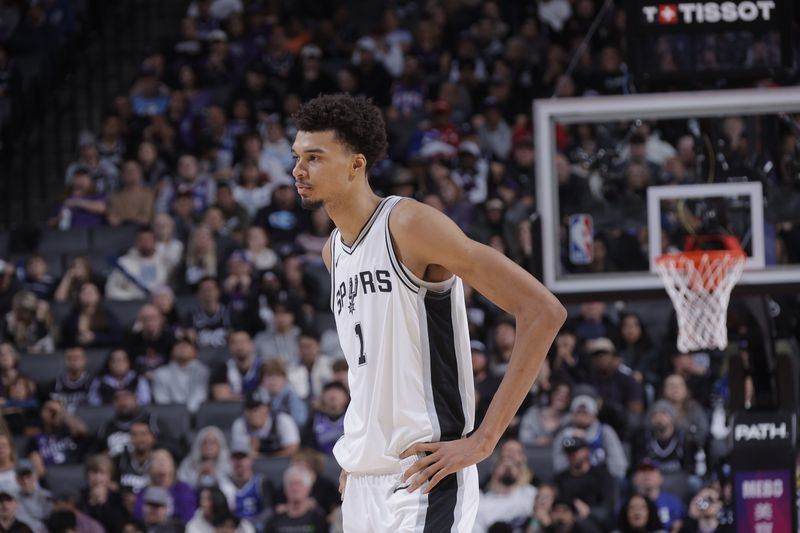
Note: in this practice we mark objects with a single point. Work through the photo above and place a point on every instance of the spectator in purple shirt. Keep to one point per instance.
(162, 474)
(83, 206)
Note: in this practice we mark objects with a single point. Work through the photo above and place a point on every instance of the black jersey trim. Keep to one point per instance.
(365, 230)
(334, 235)
(398, 268)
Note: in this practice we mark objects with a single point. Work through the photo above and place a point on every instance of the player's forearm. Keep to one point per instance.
(535, 333)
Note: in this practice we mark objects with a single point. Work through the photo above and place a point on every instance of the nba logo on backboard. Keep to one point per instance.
(581, 239)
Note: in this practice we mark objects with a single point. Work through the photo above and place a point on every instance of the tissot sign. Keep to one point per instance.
(709, 12)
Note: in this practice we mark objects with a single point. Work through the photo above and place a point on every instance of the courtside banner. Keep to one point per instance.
(764, 501)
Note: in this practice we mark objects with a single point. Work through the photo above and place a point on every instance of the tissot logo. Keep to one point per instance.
(709, 12)
(764, 431)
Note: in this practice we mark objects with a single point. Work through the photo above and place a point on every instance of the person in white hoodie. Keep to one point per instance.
(139, 271)
(183, 380)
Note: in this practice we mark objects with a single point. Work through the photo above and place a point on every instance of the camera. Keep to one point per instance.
(704, 503)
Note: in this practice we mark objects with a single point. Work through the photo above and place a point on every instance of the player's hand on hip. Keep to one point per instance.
(443, 459)
(342, 483)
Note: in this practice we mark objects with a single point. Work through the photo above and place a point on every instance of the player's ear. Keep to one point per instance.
(359, 163)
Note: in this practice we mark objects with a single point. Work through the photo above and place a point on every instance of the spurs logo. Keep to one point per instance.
(351, 294)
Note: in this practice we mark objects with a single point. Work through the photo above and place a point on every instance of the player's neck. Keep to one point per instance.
(351, 216)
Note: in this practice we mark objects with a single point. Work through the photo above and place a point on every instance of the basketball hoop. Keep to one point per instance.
(699, 283)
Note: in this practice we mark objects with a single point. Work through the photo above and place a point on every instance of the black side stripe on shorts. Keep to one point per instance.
(441, 512)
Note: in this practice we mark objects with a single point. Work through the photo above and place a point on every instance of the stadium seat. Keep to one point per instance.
(540, 461)
(95, 358)
(219, 414)
(272, 468)
(61, 242)
(95, 417)
(173, 420)
(212, 356)
(60, 311)
(126, 311)
(184, 303)
(43, 369)
(113, 241)
(70, 478)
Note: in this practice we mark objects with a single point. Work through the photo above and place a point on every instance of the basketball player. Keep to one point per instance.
(396, 268)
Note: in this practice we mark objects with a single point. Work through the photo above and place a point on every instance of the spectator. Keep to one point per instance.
(150, 341)
(210, 319)
(9, 367)
(9, 520)
(486, 383)
(567, 365)
(66, 516)
(505, 333)
(253, 497)
(90, 324)
(100, 500)
(507, 499)
(313, 239)
(253, 188)
(36, 279)
(72, 385)
(241, 373)
(238, 288)
(603, 441)
(589, 487)
(639, 514)
(115, 435)
(282, 218)
(152, 165)
(690, 415)
(258, 252)
(168, 247)
(213, 506)
(236, 218)
(34, 503)
(134, 462)
(28, 325)
(542, 507)
(266, 432)
(158, 513)
(623, 402)
(200, 187)
(704, 513)
(139, 271)
(324, 491)
(472, 173)
(61, 440)
(83, 206)
(162, 475)
(8, 461)
(675, 449)
(326, 424)
(79, 272)
(373, 79)
(637, 350)
(695, 369)
(511, 448)
(300, 509)
(208, 461)
(201, 258)
(540, 424)
(184, 380)
(280, 339)
(164, 299)
(648, 480)
(592, 322)
(493, 132)
(282, 397)
(134, 202)
(117, 373)
(315, 369)
(20, 409)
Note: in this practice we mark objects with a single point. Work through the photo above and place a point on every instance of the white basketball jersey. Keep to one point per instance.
(407, 345)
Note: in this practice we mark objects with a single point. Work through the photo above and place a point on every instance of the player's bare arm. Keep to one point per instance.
(433, 247)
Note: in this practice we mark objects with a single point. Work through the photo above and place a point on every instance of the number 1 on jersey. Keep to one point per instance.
(362, 357)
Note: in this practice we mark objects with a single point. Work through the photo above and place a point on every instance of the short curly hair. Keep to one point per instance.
(355, 120)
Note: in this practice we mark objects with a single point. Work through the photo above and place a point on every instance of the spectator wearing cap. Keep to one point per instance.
(540, 424)
(326, 423)
(589, 487)
(72, 386)
(315, 369)
(241, 373)
(100, 499)
(253, 495)
(508, 498)
(300, 511)
(34, 503)
(65, 507)
(603, 441)
(486, 382)
(189, 180)
(150, 341)
(183, 380)
(134, 202)
(563, 518)
(115, 434)
(675, 449)
(162, 476)
(139, 271)
(266, 432)
(61, 440)
(623, 399)
(157, 512)
(10, 521)
(133, 462)
(28, 325)
(279, 341)
(472, 172)
(210, 319)
(283, 218)
(494, 134)
(648, 480)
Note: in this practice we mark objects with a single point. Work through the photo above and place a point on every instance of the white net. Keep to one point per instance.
(699, 285)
